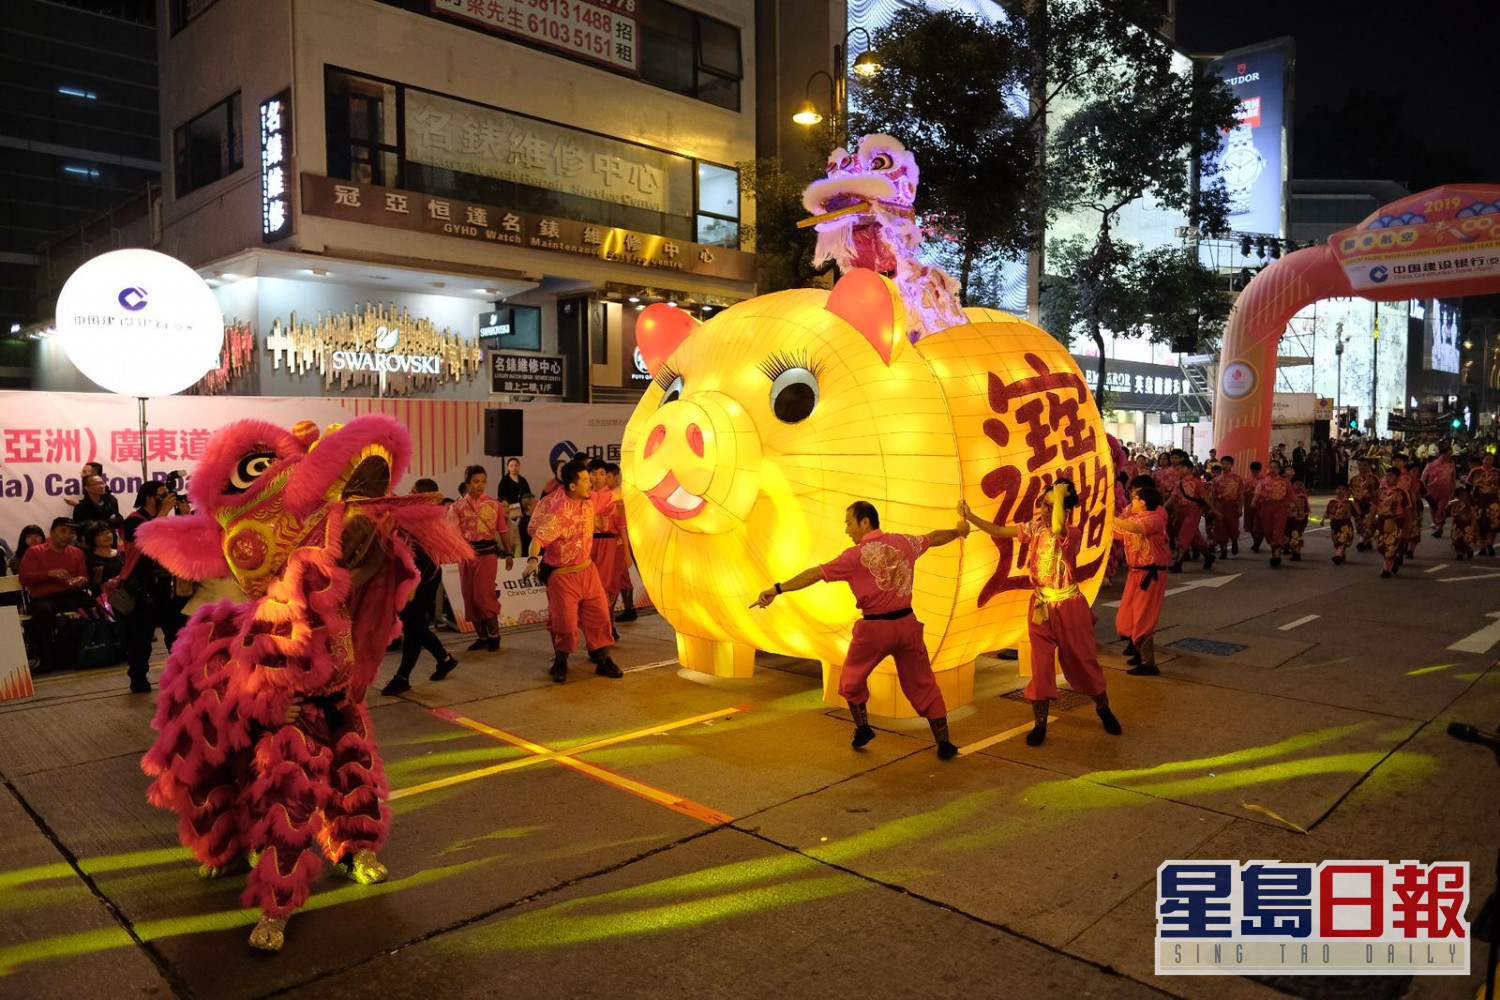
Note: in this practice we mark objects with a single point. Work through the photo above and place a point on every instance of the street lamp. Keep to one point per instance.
(866, 65)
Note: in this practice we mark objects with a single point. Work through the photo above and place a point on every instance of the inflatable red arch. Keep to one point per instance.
(1441, 243)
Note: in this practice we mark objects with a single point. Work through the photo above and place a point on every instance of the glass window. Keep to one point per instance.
(209, 147)
(719, 47)
(688, 53)
(361, 123)
(718, 232)
(719, 190)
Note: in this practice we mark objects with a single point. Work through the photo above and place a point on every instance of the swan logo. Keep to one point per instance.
(386, 337)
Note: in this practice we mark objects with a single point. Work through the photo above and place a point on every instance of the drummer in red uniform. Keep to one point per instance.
(879, 568)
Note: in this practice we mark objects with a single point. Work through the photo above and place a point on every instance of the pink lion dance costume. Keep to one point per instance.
(307, 528)
(864, 215)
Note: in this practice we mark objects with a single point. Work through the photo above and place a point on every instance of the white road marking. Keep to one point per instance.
(1300, 621)
(1481, 641)
(649, 666)
(1434, 569)
(1460, 579)
(1213, 581)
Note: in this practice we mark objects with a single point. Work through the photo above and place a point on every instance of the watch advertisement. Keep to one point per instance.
(1251, 156)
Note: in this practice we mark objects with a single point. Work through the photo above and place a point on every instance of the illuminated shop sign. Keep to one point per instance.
(275, 168)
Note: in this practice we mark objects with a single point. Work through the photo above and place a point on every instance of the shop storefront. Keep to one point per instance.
(1150, 404)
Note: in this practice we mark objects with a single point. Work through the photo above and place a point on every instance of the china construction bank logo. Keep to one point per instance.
(132, 299)
(1346, 918)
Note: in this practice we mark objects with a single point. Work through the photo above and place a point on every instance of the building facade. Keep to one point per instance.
(369, 184)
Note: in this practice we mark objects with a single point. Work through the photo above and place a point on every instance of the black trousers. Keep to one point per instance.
(416, 628)
(140, 633)
(43, 624)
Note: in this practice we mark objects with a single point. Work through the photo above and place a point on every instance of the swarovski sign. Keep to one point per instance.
(361, 349)
(382, 361)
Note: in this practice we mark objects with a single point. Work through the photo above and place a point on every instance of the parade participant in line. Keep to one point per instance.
(1117, 548)
(1297, 512)
(1340, 516)
(1142, 529)
(1272, 494)
(562, 537)
(1484, 488)
(1390, 516)
(1362, 489)
(416, 628)
(1252, 516)
(1437, 480)
(624, 585)
(1192, 508)
(554, 482)
(1168, 471)
(607, 541)
(880, 568)
(150, 586)
(1412, 484)
(1060, 624)
(484, 522)
(1465, 529)
(1225, 493)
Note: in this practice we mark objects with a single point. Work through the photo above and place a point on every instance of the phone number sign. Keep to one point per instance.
(599, 31)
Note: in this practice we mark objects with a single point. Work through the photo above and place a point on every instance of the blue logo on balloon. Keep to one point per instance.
(1378, 273)
(133, 299)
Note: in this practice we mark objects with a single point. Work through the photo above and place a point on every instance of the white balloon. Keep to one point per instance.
(140, 323)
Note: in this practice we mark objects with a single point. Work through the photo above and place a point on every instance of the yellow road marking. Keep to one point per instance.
(990, 741)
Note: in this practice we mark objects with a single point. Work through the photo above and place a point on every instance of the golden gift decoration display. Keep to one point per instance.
(379, 347)
(764, 423)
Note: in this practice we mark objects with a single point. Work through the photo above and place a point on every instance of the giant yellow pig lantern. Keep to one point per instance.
(764, 423)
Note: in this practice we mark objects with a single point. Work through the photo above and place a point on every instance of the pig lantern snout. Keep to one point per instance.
(701, 457)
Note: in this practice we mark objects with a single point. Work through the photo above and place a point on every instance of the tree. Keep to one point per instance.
(783, 253)
(950, 91)
(1135, 136)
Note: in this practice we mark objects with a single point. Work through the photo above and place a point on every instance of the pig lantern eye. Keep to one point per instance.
(674, 391)
(794, 395)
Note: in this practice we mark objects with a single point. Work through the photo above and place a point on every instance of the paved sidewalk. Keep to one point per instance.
(721, 838)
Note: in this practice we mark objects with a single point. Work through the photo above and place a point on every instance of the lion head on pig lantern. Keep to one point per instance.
(764, 423)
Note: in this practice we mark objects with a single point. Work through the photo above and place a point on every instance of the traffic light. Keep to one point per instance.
(1457, 422)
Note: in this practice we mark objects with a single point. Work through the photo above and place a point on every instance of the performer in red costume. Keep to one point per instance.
(1252, 515)
(1484, 484)
(1297, 513)
(1437, 480)
(880, 568)
(264, 746)
(485, 524)
(562, 529)
(1192, 506)
(1272, 493)
(1411, 483)
(624, 585)
(1391, 518)
(1225, 493)
(606, 551)
(1465, 530)
(1060, 624)
(1142, 528)
(1362, 489)
(1341, 515)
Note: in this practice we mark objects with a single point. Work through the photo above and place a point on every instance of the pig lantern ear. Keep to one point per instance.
(659, 329)
(872, 305)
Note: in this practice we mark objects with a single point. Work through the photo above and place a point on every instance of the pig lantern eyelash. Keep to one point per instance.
(665, 377)
(782, 362)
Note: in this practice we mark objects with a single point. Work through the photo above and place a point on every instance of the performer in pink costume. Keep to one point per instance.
(1061, 625)
(1272, 494)
(880, 568)
(1340, 516)
(264, 747)
(1226, 494)
(1192, 507)
(1362, 489)
(1465, 523)
(606, 549)
(1437, 480)
(1484, 484)
(1142, 529)
(1411, 483)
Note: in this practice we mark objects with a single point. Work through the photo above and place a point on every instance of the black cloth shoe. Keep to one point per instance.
(605, 667)
(1111, 724)
(946, 751)
(493, 645)
(1143, 670)
(1385, 574)
(1275, 562)
(862, 735)
(1037, 734)
(1234, 547)
(445, 668)
(628, 615)
(397, 685)
(559, 671)
(479, 644)
(1438, 533)
(140, 685)
(615, 633)
(1208, 562)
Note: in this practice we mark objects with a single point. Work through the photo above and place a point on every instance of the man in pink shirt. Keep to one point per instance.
(562, 529)
(56, 581)
(606, 550)
(879, 568)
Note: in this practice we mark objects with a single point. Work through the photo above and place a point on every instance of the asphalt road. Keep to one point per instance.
(675, 836)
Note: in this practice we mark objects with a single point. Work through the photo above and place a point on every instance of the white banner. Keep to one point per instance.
(46, 437)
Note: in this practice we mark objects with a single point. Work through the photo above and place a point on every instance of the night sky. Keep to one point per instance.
(1383, 90)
